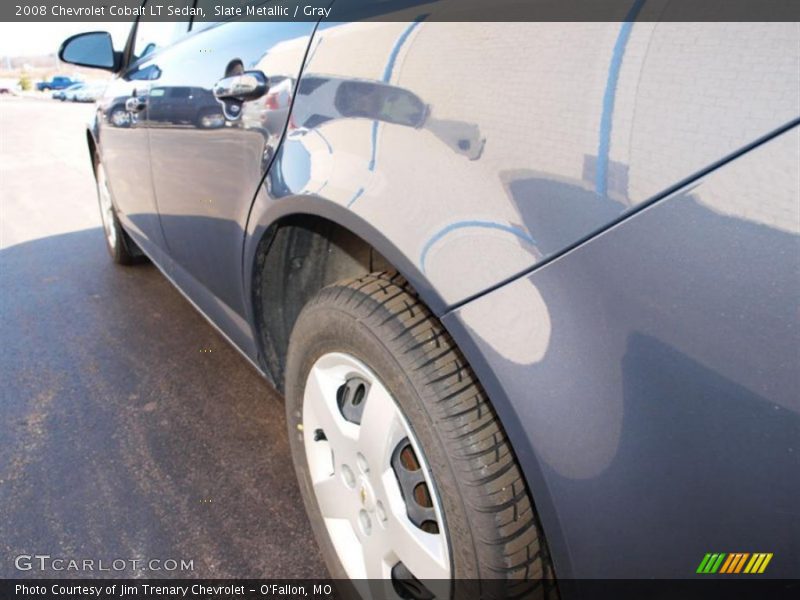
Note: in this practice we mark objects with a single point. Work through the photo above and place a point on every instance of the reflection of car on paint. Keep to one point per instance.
(183, 105)
(269, 113)
(329, 98)
(324, 99)
(525, 297)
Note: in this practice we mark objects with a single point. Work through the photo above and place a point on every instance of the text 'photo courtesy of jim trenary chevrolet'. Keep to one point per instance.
(400, 299)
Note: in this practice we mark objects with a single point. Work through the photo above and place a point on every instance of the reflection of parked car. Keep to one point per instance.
(531, 299)
(184, 106)
(270, 112)
(89, 92)
(71, 90)
(71, 93)
(56, 83)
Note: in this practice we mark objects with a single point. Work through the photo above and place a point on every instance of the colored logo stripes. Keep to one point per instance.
(733, 563)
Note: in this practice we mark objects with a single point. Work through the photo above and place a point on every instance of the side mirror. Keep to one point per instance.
(93, 49)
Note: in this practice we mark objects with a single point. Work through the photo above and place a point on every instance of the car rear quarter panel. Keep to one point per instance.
(648, 378)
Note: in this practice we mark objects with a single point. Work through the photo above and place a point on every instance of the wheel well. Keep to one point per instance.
(297, 257)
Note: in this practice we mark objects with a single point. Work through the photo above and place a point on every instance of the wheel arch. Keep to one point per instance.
(293, 226)
(93, 139)
(92, 146)
(297, 246)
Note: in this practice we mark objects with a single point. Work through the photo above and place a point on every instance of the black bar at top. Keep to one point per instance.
(406, 10)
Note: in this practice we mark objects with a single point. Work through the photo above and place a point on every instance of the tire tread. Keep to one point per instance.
(492, 484)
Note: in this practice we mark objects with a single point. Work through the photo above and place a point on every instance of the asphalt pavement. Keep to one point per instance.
(130, 429)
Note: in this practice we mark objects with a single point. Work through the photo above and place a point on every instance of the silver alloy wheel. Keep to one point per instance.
(351, 468)
(106, 207)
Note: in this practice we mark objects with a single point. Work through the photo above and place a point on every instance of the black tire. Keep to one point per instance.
(123, 250)
(492, 528)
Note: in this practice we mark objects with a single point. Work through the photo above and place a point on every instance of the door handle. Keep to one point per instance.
(239, 88)
(135, 104)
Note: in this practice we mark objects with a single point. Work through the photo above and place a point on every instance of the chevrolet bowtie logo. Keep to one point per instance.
(734, 563)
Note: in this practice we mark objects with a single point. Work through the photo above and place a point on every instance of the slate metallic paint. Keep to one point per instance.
(646, 375)
(648, 378)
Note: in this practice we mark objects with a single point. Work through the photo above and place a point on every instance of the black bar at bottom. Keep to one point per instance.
(706, 587)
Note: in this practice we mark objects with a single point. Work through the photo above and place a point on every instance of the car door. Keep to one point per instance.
(122, 136)
(208, 159)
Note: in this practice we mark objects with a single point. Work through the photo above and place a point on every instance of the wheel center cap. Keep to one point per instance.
(366, 494)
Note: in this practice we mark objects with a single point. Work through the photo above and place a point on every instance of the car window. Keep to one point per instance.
(151, 36)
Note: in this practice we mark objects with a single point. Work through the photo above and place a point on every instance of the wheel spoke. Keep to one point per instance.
(321, 402)
(380, 429)
(376, 549)
(422, 553)
(334, 499)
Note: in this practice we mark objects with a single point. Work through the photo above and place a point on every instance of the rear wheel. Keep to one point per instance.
(122, 249)
(404, 467)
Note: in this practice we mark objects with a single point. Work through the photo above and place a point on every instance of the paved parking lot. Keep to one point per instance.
(122, 436)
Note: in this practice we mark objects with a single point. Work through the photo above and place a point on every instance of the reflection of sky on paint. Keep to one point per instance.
(35, 39)
(387, 76)
(607, 114)
(604, 144)
(473, 224)
(388, 71)
(296, 155)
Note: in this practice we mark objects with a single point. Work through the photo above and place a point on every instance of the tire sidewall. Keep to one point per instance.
(117, 251)
(120, 252)
(322, 330)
